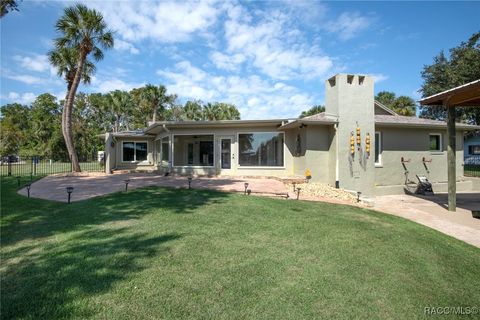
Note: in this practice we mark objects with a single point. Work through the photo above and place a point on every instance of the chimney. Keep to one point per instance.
(350, 97)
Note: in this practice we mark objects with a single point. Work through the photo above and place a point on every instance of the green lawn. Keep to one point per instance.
(164, 253)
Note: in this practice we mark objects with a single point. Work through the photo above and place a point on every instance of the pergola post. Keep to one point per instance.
(451, 159)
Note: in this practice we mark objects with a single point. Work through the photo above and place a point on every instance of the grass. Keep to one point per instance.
(166, 253)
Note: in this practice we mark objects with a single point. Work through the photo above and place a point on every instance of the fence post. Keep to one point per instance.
(9, 164)
(31, 167)
(35, 159)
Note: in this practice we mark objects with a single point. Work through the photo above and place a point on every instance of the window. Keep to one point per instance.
(378, 149)
(193, 150)
(474, 149)
(165, 148)
(263, 149)
(134, 151)
(435, 142)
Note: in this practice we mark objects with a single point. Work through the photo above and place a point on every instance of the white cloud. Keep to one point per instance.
(25, 78)
(274, 45)
(126, 46)
(38, 63)
(379, 77)
(255, 97)
(227, 62)
(349, 24)
(165, 21)
(106, 85)
(22, 98)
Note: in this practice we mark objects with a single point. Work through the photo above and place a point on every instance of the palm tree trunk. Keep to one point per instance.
(154, 117)
(67, 115)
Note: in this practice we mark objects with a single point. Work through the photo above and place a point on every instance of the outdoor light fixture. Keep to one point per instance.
(189, 182)
(358, 196)
(298, 193)
(28, 185)
(246, 187)
(69, 191)
(18, 181)
(126, 183)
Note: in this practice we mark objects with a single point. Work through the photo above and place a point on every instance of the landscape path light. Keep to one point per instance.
(28, 185)
(127, 181)
(189, 182)
(69, 192)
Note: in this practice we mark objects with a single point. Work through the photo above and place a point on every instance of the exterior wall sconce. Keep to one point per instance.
(246, 187)
(28, 186)
(126, 183)
(69, 192)
(189, 182)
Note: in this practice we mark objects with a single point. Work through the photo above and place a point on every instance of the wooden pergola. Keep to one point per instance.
(465, 96)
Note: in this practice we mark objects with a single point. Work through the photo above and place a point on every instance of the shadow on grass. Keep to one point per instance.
(28, 218)
(54, 280)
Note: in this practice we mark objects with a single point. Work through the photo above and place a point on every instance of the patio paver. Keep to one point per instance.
(89, 186)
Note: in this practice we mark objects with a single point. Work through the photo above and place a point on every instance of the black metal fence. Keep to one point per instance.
(471, 166)
(37, 165)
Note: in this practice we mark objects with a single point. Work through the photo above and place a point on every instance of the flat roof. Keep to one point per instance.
(467, 95)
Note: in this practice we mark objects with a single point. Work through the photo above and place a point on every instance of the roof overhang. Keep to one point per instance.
(165, 126)
(467, 95)
(301, 123)
(459, 126)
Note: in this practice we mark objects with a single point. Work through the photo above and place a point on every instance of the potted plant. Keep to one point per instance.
(308, 175)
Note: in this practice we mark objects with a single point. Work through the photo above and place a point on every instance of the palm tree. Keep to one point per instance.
(83, 31)
(157, 99)
(193, 110)
(209, 112)
(122, 105)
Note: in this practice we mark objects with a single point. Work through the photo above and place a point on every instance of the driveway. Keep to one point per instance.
(432, 212)
(89, 186)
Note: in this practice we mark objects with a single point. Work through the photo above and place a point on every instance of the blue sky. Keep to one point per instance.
(269, 58)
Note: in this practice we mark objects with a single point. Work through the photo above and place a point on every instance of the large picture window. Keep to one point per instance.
(262, 149)
(193, 150)
(134, 151)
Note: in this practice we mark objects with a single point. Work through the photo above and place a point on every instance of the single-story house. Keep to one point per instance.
(356, 144)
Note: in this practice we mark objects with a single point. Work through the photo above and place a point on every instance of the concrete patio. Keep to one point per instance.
(432, 211)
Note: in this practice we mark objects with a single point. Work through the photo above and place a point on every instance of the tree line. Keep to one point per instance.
(36, 129)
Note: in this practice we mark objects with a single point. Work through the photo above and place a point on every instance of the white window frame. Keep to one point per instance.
(135, 151)
(379, 163)
(440, 142)
(260, 167)
(172, 141)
